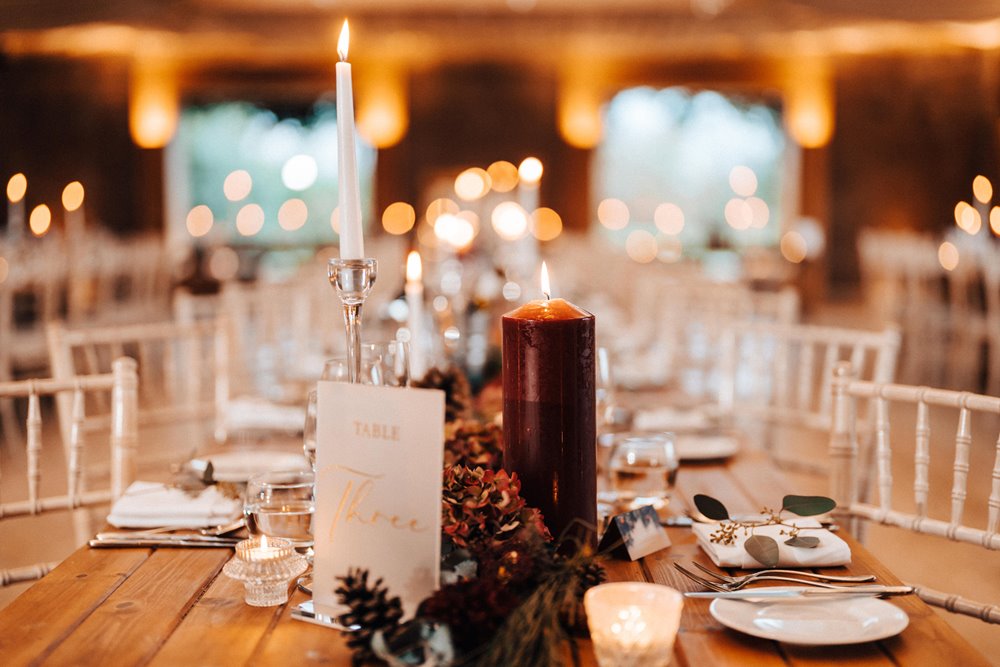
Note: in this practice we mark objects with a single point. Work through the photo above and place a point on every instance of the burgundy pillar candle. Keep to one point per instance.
(549, 413)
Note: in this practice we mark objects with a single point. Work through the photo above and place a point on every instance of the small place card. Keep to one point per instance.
(635, 534)
(379, 455)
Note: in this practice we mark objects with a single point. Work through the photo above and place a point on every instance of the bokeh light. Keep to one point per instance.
(199, 220)
(72, 196)
(439, 207)
(546, 224)
(510, 221)
(250, 220)
(960, 217)
(948, 256)
(293, 215)
(739, 214)
(669, 218)
(299, 172)
(17, 187)
(503, 176)
(995, 220)
(456, 231)
(743, 181)
(398, 218)
(40, 220)
(759, 212)
(530, 170)
(641, 246)
(982, 189)
(613, 213)
(237, 185)
(793, 247)
(472, 184)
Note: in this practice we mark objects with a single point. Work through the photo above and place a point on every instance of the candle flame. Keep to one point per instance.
(414, 269)
(344, 41)
(546, 289)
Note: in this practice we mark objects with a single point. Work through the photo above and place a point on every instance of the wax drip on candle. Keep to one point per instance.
(546, 288)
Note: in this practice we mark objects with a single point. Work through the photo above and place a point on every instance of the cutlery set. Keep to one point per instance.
(811, 585)
(216, 537)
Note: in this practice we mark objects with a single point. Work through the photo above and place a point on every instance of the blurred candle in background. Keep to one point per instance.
(549, 413)
(17, 187)
(72, 201)
(352, 244)
(414, 290)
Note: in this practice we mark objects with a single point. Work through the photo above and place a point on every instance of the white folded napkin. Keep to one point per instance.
(151, 504)
(257, 414)
(831, 551)
(671, 419)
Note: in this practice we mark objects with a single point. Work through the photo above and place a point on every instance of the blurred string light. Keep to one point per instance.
(237, 185)
(669, 218)
(398, 218)
(613, 213)
(982, 189)
(503, 175)
(510, 221)
(440, 207)
(530, 170)
(293, 215)
(743, 181)
(299, 172)
(793, 247)
(472, 184)
(17, 187)
(199, 221)
(948, 256)
(72, 196)
(738, 213)
(546, 224)
(250, 220)
(40, 220)
(456, 231)
(995, 220)
(641, 246)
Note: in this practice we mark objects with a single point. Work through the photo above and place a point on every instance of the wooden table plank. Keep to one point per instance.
(300, 643)
(33, 625)
(220, 612)
(138, 617)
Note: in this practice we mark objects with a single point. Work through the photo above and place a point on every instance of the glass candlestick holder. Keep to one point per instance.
(265, 565)
(353, 280)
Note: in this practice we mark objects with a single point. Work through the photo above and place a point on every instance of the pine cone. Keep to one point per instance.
(371, 610)
(472, 443)
(458, 394)
(590, 573)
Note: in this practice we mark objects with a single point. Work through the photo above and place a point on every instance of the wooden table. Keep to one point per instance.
(174, 607)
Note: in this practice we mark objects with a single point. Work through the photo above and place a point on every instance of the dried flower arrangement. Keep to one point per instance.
(508, 594)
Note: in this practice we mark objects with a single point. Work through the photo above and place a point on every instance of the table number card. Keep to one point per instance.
(635, 534)
(379, 454)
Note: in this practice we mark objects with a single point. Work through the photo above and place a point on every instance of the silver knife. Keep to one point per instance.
(193, 541)
(780, 592)
(140, 535)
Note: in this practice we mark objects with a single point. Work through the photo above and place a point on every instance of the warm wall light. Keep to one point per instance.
(154, 104)
(579, 115)
(809, 115)
(383, 113)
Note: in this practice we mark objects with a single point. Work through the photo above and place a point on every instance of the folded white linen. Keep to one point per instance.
(671, 419)
(831, 551)
(257, 414)
(152, 504)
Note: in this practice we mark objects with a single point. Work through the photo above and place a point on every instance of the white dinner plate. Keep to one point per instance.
(704, 446)
(238, 466)
(812, 622)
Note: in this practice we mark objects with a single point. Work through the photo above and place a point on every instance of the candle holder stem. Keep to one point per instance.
(352, 279)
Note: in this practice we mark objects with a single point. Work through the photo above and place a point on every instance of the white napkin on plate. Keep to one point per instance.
(257, 414)
(671, 419)
(831, 551)
(151, 505)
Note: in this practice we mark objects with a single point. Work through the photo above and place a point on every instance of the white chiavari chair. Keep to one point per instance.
(940, 514)
(183, 368)
(119, 389)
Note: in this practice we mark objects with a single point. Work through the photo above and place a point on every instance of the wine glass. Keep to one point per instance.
(385, 364)
(309, 430)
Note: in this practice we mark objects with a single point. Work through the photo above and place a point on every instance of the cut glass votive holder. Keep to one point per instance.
(633, 624)
(265, 565)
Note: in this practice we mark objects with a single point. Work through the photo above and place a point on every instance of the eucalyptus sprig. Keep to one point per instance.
(763, 548)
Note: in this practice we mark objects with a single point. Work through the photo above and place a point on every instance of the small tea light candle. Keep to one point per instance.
(633, 623)
(265, 565)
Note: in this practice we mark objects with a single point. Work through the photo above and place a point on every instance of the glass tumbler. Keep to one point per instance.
(642, 470)
(385, 364)
(282, 504)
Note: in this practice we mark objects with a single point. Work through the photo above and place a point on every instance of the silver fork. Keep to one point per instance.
(721, 586)
(843, 578)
